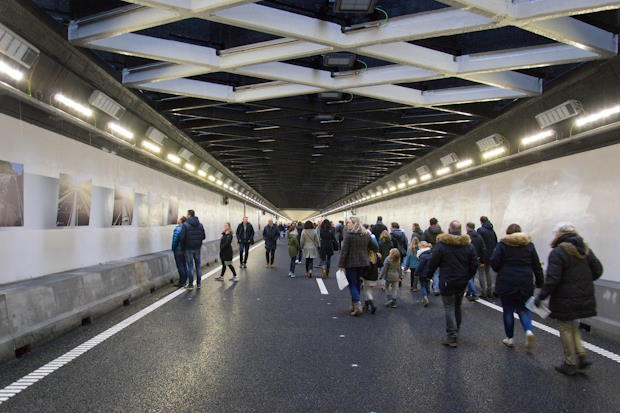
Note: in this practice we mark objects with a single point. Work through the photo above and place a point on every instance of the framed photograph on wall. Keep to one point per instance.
(74, 201)
(173, 210)
(123, 206)
(11, 194)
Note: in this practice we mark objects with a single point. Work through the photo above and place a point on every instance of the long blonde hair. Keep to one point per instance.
(357, 227)
(385, 236)
(415, 245)
(394, 256)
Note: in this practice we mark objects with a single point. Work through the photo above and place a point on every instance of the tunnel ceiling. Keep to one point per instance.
(305, 134)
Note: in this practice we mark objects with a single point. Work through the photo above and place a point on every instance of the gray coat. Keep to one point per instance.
(391, 272)
(310, 243)
(354, 253)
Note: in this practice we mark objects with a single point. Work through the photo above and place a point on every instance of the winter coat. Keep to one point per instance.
(293, 244)
(417, 234)
(572, 269)
(490, 239)
(354, 253)
(192, 234)
(430, 235)
(411, 260)
(339, 231)
(479, 246)
(378, 228)
(457, 262)
(390, 271)
(384, 249)
(399, 241)
(372, 273)
(226, 251)
(328, 238)
(248, 238)
(310, 243)
(424, 258)
(271, 235)
(176, 235)
(515, 260)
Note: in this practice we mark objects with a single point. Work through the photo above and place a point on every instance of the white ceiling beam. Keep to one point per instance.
(192, 88)
(273, 92)
(159, 72)
(288, 73)
(468, 94)
(576, 33)
(390, 93)
(286, 51)
(561, 8)
(528, 85)
(523, 58)
(174, 5)
(385, 75)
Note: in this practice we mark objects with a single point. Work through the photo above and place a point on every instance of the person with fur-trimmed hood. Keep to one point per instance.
(457, 262)
(569, 281)
(515, 260)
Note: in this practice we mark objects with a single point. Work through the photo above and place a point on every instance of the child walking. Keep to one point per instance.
(370, 281)
(392, 273)
(293, 249)
(424, 256)
(411, 262)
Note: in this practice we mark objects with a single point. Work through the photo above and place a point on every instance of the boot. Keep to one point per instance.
(373, 309)
(351, 308)
(309, 274)
(357, 309)
(582, 362)
(324, 273)
(566, 369)
(450, 342)
(425, 301)
(393, 303)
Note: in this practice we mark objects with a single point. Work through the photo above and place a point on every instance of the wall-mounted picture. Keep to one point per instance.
(123, 206)
(173, 210)
(156, 208)
(11, 194)
(74, 201)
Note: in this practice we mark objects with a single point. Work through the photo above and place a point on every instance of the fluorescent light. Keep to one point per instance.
(153, 147)
(412, 181)
(464, 163)
(219, 182)
(392, 188)
(190, 167)
(537, 137)
(442, 171)
(267, 127)
(211, 178)
(317, 154)
(125, 133)
(401, 185)
(225, 186)
(385, 191)
(15, 74)
(426, 177)
(494, 152)
(584, 120)
(336, 120)
(173, 158)
(325, 135)
(202, 173)
(59, 97)
(266, 140)
(267, 150)
(321, 146)
(249, 112)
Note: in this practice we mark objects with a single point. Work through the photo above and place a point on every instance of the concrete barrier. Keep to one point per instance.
(40, 309)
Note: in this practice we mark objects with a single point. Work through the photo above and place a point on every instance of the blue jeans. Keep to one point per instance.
(471, 287)
(353, 277)
(244, 247)
(510, 305)
(436, 281)
(179, 259)
(193, 257)
(292, 269)
(327, 262)
(424, 287)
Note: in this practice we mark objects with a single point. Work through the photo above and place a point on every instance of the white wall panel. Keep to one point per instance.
(581, 188)
(38, 248)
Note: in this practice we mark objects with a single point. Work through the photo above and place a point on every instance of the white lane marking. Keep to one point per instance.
(322, 286)
(16, 387)
(596, 349)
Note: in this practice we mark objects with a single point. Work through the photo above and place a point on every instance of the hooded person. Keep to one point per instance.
(399, 240)
(424, 257)
(191, 237)
(489, 237)
(431, 233)
(572, 268)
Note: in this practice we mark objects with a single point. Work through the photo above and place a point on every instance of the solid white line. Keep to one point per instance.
(322, 286)
(42, 372)
(596, 349)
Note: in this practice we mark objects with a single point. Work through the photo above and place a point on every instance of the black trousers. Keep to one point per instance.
(270, 255)
(244, 251)
(229, 266)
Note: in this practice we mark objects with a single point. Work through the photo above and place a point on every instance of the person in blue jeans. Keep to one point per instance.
(293, 248)
(191, 237)
(424, 256)
(515, 260)
(179, 254)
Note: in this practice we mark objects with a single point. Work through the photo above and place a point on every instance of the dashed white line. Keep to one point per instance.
(42, 372)
(595, 349)
(322, 286)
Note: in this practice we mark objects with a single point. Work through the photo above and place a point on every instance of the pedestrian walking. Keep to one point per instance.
(392, 274)
(293, 248)
(487, 233)
(310, 246)
(226, 253)
(328, 241)
(271, 236)
(245, 238)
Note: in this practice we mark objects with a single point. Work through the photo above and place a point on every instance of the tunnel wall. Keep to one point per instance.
(39, 247)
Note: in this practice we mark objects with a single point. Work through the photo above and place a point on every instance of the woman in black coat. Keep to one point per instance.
(226, 253)
(328, 239)
(515, 260)
(572, 269)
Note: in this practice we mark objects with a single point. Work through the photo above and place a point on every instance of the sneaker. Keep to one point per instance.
(450, 342)
(472, 298)
(188, 287)
(234, 279)
(393, 305)
(267, 265)
(389, 303)
(582, 362)
(508, 342)
(425, 301)
(529, 340)
(566, 369)
(198, 286)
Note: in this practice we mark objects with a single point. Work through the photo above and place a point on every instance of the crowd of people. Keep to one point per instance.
(440, 264)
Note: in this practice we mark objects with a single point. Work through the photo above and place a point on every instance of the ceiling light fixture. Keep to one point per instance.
(219, 182)
(190, 167)
(173, 158)
(335, 120)
(202, 173)
(464, 163)
(105, 104)
(70, 103)
(597, 116)
(249, 112)
(442, 171)
(494, 153)
(266, 140)
(151, 146)
(119, 130)
(566, 110)
(256, 46)
(13, 73)
(211, 178)
(537, 137)
(412, 181)
(425, 177)
(401, 185)
(266, 128)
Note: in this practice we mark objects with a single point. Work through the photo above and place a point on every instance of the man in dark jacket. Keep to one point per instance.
(430, 236)
(489, 237)
(191, 237)
(399, 240)
(478, 243)
(300, 228)
(457, 262)
(569, 281)
(271, 236)
(245, 237)
(340, 233)
(378, 228)
(179, 255)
